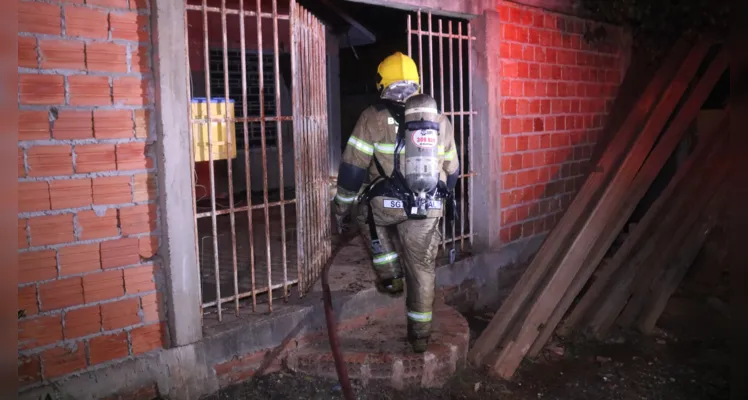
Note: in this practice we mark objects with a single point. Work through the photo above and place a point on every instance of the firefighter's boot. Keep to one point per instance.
(384, 256)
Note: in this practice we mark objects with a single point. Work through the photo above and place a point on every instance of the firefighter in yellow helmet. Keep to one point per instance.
(400, 166)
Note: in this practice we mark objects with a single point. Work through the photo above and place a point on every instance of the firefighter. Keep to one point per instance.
(400, 167)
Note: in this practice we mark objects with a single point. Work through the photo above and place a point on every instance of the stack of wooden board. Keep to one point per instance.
(665, 241)
(650, 262)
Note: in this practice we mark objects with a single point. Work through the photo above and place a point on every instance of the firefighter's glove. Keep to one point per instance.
(343, 202)
(341, 210)
(342, 214)
(343, 223)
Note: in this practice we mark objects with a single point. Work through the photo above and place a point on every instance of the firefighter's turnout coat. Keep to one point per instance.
(412, 243)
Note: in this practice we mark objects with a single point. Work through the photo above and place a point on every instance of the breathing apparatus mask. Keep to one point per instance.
(399, 91)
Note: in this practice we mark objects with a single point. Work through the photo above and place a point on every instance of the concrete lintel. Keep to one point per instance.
(570, 7)
(487, 131)
(177, 248)
(474, 8)
(450, 8)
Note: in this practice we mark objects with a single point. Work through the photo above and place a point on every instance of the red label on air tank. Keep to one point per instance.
(425, 139)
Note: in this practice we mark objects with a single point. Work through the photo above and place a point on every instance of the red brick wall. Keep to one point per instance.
(87, 194)
(556, 92)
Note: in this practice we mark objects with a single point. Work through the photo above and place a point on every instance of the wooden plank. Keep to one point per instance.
(643, 180)
(602, 292)
(660, 292)
(656, 264)
(649, 259)
(654, 267)
(604, 274)
(523, 290)
(675, 208)
(709, 265)
(568, 267)
(640, 73)
(607, 296)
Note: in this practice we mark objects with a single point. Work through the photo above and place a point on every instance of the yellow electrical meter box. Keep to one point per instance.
(219, 130)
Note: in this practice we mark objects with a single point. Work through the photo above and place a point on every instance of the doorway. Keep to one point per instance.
(259, 84)
(441, 48)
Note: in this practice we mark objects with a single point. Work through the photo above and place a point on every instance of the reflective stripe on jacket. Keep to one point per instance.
(375, 134)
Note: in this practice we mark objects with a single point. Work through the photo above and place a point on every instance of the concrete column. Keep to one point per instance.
(486, 133)
(177, 250)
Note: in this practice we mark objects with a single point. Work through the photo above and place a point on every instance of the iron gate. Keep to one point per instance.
(311, 150)
(258, 237)
(457, 38)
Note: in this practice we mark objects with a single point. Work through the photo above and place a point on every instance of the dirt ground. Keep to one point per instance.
(687, 358)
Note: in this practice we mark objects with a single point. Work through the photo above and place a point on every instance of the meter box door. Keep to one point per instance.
(221, 127)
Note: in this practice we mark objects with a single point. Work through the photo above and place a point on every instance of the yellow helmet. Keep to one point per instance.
(397, 67)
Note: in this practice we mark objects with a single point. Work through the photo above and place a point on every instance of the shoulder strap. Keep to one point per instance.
(380, 169)
(398, 113)
(396, 110)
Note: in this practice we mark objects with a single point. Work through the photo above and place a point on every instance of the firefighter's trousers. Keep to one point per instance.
(408, 249)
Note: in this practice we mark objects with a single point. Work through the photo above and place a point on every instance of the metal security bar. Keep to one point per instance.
(252, 73)
(246, 233)
(443, 55)
(311, 152)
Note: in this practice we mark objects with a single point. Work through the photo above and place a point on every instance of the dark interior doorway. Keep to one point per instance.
(443, 59)
(358, 64)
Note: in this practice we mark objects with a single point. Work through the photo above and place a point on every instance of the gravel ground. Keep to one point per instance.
(686, 359)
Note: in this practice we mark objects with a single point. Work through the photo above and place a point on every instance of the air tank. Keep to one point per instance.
(421, 144)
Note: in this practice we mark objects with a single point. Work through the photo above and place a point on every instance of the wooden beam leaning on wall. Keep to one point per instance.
(672, 235)
(600, 291)
(600, 217)
(675, 234)
(615, 284)
(664, 148)
(621, 140)
(608, 283)
(660, 290)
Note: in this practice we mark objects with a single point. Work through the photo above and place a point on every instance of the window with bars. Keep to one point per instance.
(234, 70)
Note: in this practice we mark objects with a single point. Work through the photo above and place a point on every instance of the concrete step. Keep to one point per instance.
(379, 352)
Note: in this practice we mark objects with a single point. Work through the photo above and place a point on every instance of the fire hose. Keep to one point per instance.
(332, 333)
